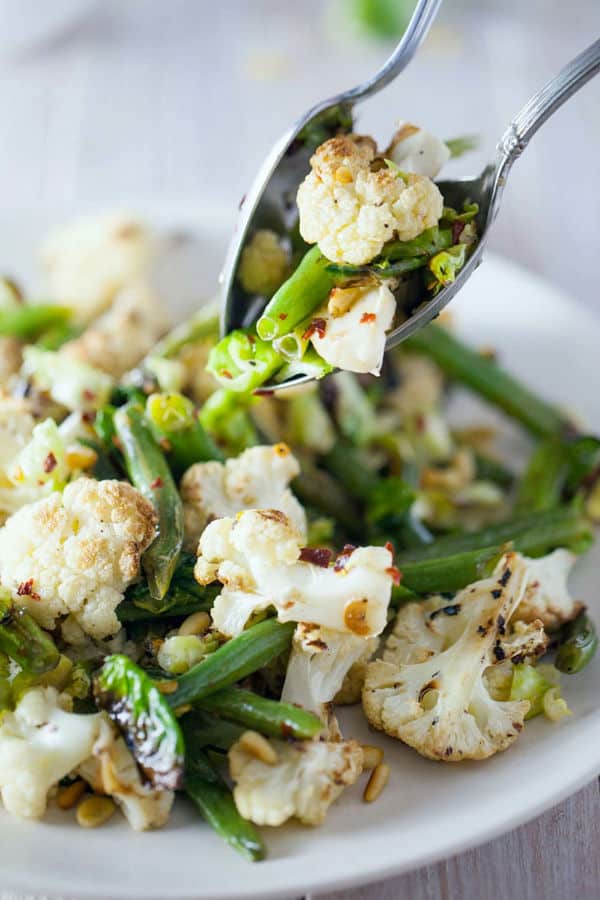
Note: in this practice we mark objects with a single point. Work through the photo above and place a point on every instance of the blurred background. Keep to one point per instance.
(109, 103)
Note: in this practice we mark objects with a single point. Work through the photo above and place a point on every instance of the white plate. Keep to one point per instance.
(429, 810)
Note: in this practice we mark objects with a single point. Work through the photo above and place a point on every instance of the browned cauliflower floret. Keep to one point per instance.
(76, 552)
(351, 211)
(258, 478)
(429, 689)
(118, 340)
(88, 261)
(547, 597)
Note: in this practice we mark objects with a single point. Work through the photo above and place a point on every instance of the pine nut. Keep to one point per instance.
(94, 811)
(167, 687)
(377, 782)
(70, 795)
(372, 756)
(259, 747)
(80, 457)
(197, 623)
(182, 710)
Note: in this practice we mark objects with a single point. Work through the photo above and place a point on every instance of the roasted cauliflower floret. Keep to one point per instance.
(319, 662)
(351, 690)
(258, 478)
(415, 150)
(123, 335)
(111, 769)
(76, 552)
(259, 555)
(547, 596)
(88, 261)
(354, 340)
(40, 743)
(429, 689)
(307, 778)
(264, 264)
(351, 211)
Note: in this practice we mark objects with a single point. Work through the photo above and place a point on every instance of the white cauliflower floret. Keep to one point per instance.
(429, 689)
(355, 340)
(10, 359)
(87, 262)
(258, 478)
(259, 554)
(40, 743)
(354, 679)
(123, 335)
(318, 664)
(351, 211)
(264, 263)
(547, 596)
(111, 769)
(76, 552)
(420, 388)
(307, 778)
(415, 150)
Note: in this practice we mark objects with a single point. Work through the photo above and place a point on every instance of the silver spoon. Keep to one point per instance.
(279, 181)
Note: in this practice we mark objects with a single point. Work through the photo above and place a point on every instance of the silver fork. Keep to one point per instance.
(277, 181)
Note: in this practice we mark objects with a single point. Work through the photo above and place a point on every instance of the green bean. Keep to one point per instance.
(297, 297)
(323, 492)
(104, 425)
(27, 321)
(489, 469)
(534, 535)
(486, 378)
(428, 243)
(202, 729)
(57, 335)
(176, 426)
(23, 640)
(447, 573)
(225, 417)
(542, 482)
(350, 469)
(241, 362)
(203, 325)
(150, 473)
(578, 646)
(311, 364)
(210, 794)
(270, 717)
(236, 659)
(583, 464)
(180, 603)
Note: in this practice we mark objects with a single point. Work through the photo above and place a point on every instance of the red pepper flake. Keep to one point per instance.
(367, 317)
(317, 326)
(344, 556)
(251, 339)
(25, 589)
(283, 316)
(263, 392)
(225, 373)
(394, 573)
(457, 230)
(50, 463)
(157, 483)
(88, 417)
(389, 546)
(318, 556)
(88, 395)
(166, 444)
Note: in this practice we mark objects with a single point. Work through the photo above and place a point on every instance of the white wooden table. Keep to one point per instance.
(181, 99)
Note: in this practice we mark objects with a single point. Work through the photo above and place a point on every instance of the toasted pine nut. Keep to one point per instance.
(183, 709)
(197, 623)
(167, 687)
(377, 782)
(109, 780)
(372, 756)
(80, 457)
(258, 746)
(70, 795)
(94, 811)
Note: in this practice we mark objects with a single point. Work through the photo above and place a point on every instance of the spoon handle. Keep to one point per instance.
(416, 31)
(546, 101)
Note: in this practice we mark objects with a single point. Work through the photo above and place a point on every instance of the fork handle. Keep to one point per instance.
(546, 101)
(415, 33)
